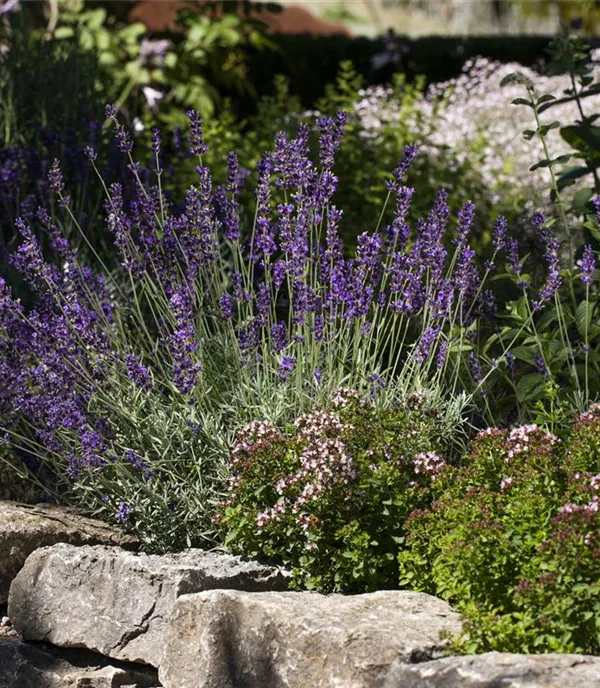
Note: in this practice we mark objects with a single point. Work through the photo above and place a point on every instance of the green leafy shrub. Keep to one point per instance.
(512, 540)
(329, 496)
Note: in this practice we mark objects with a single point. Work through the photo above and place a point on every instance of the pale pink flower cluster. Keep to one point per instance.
(505, 483)
(254, 437)
(519, 439)
(488, 432)
(428, 463)
(343, 396)
(591, 414)
(591, 507)
(324, 463)
(274, 514)
(312, 426)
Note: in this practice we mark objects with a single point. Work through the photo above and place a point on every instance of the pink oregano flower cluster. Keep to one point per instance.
(518, 441)
(324, 460)
(324, 464)
(253, 439)
(593, 506)
(428, 463)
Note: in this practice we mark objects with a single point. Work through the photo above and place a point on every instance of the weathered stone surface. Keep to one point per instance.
(228, 639)
(24, 528)
(117, 602)
(498, 670)
(6, 628)
(24, 665)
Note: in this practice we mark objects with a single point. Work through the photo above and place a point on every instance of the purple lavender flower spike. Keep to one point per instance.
(540, 365)
(286, 367)
(123, 512)
(138, 463)
(227, 307)
(183, 343)
(426, 343)
(138, 373)
(156, 140)
(512, 255)
(265, 241)
(510, 362)
(398, 232)
(466, 217)
(124, 142)
(332, 133)
(551, 248)
(499, 234)
(399, 174)
(55, 177)
(475, 365)
(196, 139)
(279, 335)
(442, 354)
(587, 266)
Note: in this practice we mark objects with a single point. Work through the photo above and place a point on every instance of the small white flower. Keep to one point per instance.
(152, 96)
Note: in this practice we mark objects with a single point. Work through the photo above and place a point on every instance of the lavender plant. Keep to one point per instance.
(124, 389)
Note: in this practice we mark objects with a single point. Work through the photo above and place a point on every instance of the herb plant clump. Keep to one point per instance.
(511, 540)
(330, 496)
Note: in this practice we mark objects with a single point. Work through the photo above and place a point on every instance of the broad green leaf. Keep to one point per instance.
(524, 353)
(582, 137)
(583, 317)
(522, 101)
(530, 386)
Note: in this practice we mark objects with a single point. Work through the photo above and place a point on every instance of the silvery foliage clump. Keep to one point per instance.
(123, 390)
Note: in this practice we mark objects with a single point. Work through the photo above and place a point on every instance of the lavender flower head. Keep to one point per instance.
(55, 177)
(499, 235)
(286, 367)
(332, 133)
(196, 139)
(156, 140)
(138, 373)
(551, 247)
(123, 512)
(399, 174)
(587, 266)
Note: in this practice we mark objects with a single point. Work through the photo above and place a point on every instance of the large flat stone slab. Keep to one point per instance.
(228, 639)
(24, 665)
(499, 670)
(24, 528)
(116, 602)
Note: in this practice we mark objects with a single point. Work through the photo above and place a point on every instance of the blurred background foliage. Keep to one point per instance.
(232, 63)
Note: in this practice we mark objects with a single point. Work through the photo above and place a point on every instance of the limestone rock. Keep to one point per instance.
(25, 665)
(24, 528)
(227, 639)
(498, 670)
(117, 602)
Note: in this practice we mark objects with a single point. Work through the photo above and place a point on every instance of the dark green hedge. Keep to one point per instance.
(312, 62)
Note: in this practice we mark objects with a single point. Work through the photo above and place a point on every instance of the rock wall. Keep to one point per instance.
(100, 616)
